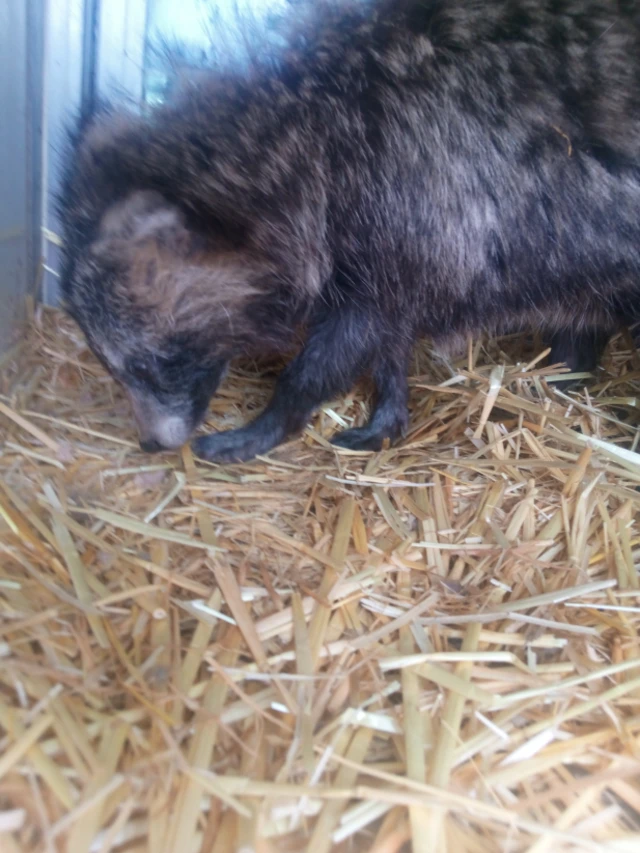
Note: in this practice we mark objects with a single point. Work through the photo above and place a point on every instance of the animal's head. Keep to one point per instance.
(161, 306)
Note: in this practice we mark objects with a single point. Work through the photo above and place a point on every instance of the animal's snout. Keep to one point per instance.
(158, 429)
(164, 432)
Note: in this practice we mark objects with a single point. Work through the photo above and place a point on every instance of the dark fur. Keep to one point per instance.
(405, 168)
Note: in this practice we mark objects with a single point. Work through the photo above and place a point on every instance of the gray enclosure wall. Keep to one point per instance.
(20, 159)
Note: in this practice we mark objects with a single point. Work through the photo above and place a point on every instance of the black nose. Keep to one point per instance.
(150, 445)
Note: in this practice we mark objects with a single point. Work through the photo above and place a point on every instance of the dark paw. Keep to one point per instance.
(236, 445)
(362, 438)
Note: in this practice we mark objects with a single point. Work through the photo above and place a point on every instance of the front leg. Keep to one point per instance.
(341, 346)
(390, 416)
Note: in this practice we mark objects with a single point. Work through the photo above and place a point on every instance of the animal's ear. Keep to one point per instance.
(204, 291)
(144, 215)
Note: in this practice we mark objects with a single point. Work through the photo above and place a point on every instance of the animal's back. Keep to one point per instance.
(457, 162)
(489, 162)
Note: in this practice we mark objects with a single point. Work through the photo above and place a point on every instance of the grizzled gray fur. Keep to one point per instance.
(403, 168)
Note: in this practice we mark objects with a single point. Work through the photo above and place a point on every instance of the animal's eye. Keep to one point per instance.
(141, 372)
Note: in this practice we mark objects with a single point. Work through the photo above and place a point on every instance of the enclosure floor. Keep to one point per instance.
(431, 648)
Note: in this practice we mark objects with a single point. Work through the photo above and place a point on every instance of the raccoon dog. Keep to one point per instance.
(402, 168)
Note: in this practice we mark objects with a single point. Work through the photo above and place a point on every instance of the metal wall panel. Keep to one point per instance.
(63, 90)
(13, 168)
(120, 43)
(34, 72)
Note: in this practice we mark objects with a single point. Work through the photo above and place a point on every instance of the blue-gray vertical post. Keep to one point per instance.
(21, 110)
(64, 55)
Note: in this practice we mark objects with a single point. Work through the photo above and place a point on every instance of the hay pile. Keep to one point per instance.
(432, 648)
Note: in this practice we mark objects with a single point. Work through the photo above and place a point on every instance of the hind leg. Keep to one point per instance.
(581, 352)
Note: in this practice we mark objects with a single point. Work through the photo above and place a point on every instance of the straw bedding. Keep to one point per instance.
(432, 648)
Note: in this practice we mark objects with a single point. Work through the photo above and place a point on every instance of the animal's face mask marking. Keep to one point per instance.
(155, 304)
(166, 418)
(169, 393)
